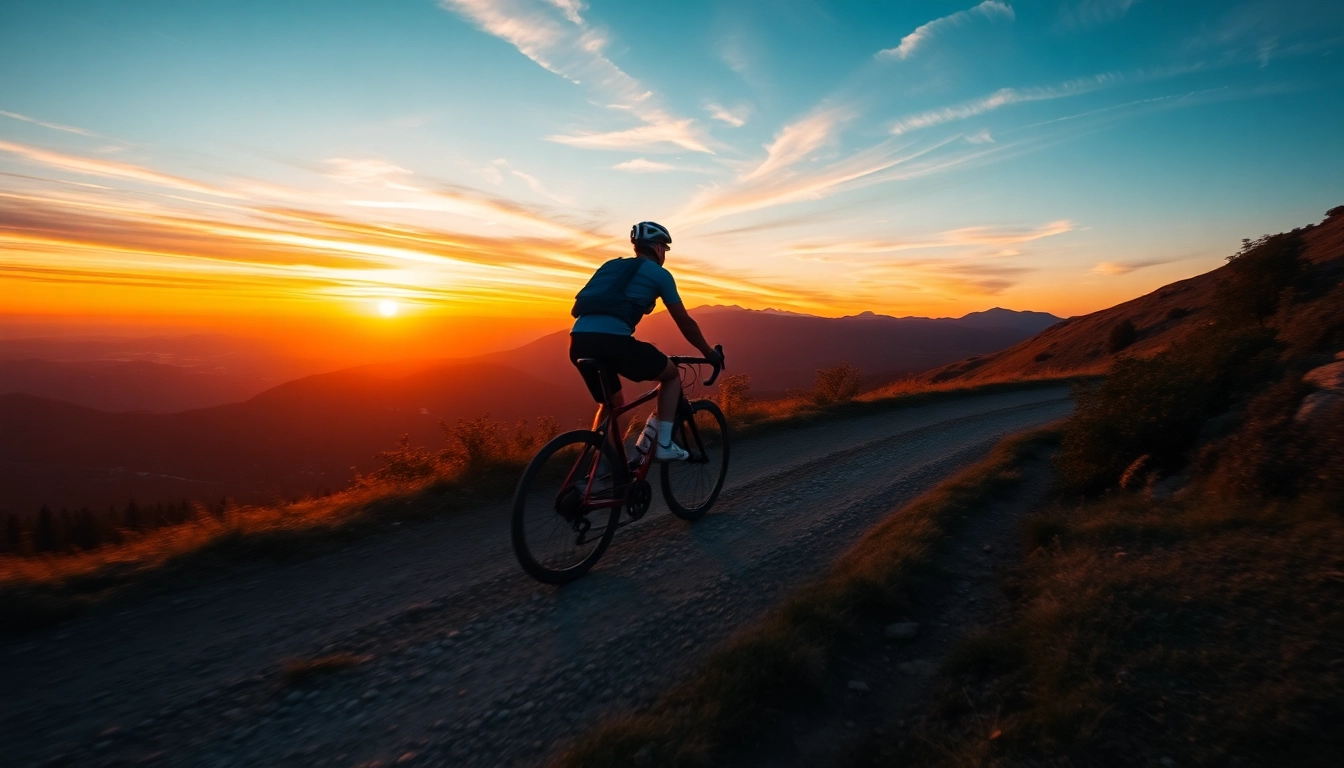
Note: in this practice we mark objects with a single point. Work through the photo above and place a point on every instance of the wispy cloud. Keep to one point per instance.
(479, 208)
(574, 49)
(1090, 13)
(52, 126)
(1000, 98)
(981, 136)
(534, 184)
(800, 139)
(870, 279)
(1114, 268)
(109, 169)
(887, 161)
(966, 236)
(571, 9)
(640, 165)
(659, 129)
(990, 9)
(363, 171)
(736, 117)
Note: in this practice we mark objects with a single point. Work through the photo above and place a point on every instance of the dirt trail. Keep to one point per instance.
(470, 662)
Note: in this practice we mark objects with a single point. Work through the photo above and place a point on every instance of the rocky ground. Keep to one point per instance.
(442, 652)
(887, 679)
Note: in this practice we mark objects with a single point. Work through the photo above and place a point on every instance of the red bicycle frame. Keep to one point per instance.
(604, 424)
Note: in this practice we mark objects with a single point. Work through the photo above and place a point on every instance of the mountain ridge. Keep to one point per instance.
(1080, 345)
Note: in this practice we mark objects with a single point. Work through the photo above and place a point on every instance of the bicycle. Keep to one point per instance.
(568, 503)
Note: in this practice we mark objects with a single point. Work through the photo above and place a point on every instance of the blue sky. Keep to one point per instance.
(477, 157)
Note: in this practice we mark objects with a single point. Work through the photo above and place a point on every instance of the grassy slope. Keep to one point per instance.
(1193, 630)
(781, 661)
(1077, 346)
(42, 589)
(1205, 628)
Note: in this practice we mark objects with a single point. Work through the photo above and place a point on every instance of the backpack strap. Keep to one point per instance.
(629, 275)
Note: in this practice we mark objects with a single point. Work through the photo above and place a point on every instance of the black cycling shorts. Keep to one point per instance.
(625, 355)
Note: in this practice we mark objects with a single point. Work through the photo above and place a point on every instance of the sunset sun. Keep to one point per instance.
(387, 308)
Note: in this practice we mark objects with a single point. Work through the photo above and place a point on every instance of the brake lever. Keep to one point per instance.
(718, 368)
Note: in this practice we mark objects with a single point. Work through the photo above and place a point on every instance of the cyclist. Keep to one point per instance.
(609, 307)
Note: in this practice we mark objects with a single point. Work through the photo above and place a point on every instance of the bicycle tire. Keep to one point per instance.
(691, 487)
(539, 529)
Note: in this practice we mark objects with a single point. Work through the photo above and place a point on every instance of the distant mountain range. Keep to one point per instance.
(1079, 345)
(306, 435)
(136, 385)
(783, 350)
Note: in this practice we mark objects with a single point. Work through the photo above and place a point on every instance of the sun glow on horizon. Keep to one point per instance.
(387, 308)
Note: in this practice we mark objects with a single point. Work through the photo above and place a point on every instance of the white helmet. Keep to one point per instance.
(650, 232)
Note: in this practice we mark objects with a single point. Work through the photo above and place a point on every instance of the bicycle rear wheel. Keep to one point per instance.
(690, 487)
(557, 535)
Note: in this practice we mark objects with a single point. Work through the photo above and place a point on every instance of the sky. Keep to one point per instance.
(247, 163)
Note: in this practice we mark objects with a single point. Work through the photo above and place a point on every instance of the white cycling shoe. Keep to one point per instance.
(671, 452)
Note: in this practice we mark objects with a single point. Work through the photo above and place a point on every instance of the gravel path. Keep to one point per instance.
(465, 660)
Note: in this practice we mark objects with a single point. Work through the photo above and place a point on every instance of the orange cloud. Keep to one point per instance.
(109, 169)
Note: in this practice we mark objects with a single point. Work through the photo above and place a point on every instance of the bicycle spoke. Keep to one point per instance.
(690, 487)
(557, 535)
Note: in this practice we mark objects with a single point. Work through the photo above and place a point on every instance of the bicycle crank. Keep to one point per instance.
(639, 498)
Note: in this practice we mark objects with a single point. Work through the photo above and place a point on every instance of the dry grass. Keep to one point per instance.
(1202, 631)
(483, 460)
(40, 589)
(780, 662)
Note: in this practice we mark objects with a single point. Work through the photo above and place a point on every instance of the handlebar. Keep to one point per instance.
(718, 367)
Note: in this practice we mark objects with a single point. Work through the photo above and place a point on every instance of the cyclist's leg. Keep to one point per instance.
(669, 399)
(641, 361)
(669, 392)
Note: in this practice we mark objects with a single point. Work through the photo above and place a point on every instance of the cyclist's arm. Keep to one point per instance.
(690, 329)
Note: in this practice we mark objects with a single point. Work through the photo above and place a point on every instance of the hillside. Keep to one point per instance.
(135, 385)
(1079, 345)
(300, 437)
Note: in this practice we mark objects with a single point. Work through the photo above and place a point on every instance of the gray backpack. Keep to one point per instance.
(605, 293)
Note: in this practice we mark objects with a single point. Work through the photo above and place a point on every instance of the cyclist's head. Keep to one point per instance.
(645, 235)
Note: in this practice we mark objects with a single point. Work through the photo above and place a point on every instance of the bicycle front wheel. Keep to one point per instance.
(690, 487)
(558, 532)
